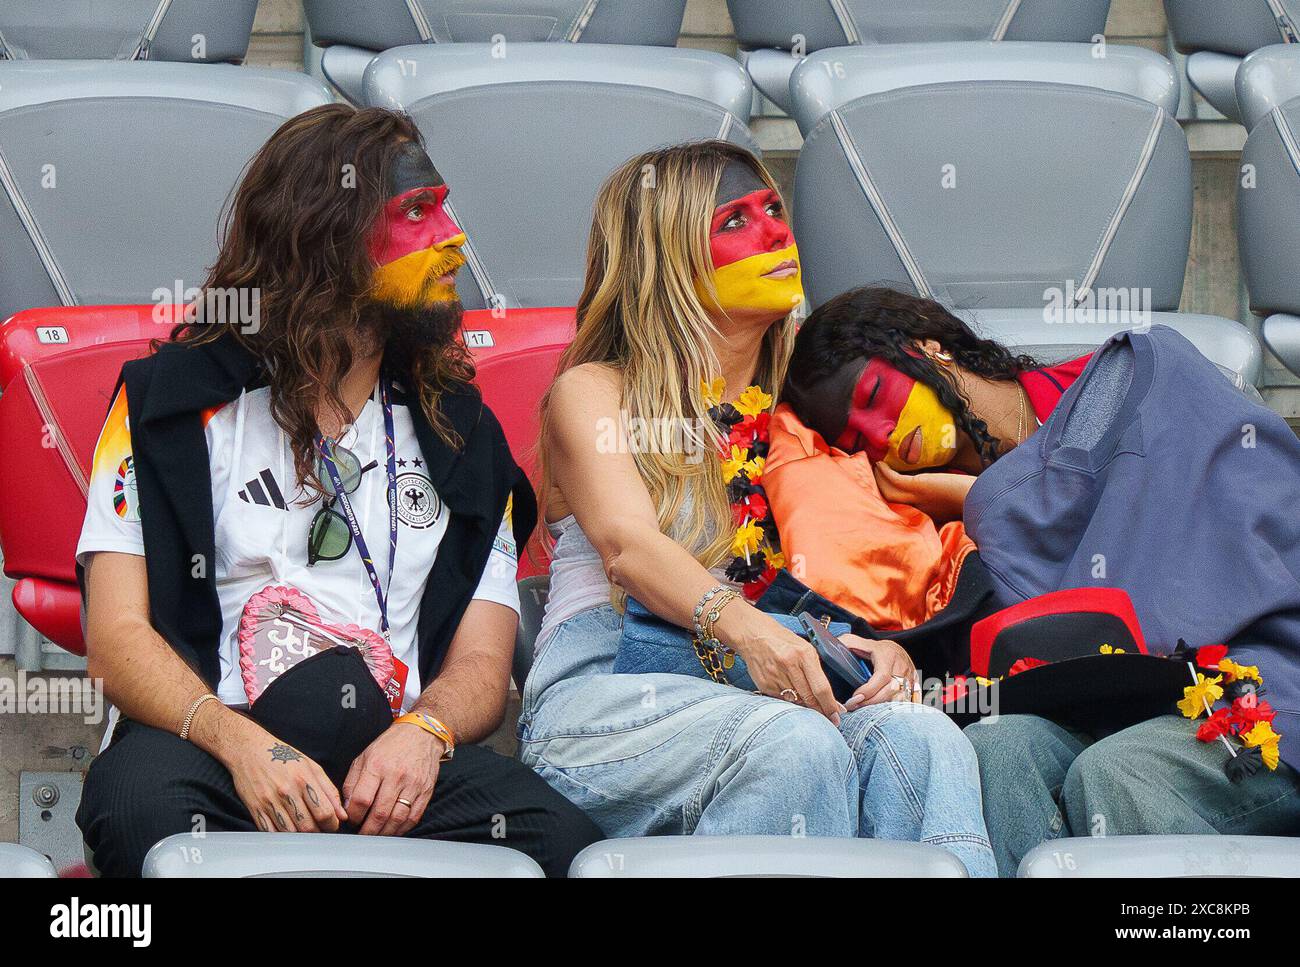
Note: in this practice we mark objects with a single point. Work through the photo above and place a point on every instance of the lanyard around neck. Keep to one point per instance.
(349, 514)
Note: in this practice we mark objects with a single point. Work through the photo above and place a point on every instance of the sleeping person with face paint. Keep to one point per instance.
(1138, 467)
(686, 313)
(890, 407)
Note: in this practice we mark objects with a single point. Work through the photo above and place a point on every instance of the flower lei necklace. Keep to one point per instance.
(745, 427)
(1247, 718)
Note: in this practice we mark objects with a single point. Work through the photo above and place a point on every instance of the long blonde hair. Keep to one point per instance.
(640, 315)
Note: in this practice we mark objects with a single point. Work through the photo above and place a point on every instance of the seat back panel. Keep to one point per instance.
(775, 23)
(114, 176)
(1228, 26)
(974, 204)
(974, 198)
(392, 23)
(189, 30)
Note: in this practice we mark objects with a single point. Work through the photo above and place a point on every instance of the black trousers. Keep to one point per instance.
(150, 784)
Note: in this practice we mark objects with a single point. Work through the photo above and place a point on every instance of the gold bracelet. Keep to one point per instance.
(710, 618)
(184, 732)
(706, 640)
(702, 604)
(434, 727)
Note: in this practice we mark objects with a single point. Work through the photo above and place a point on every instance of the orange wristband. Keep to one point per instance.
(434, 727)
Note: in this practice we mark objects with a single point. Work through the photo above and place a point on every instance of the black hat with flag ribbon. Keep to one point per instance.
(1076, 657)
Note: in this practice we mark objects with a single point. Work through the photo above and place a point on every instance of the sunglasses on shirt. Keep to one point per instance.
(330, 537)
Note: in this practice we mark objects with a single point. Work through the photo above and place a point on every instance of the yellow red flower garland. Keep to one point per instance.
(1247, 718)
(745, 427)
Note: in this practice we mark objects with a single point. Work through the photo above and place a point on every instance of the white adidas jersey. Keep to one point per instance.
(261, 527)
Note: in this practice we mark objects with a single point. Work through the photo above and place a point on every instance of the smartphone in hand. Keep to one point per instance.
(845, 670)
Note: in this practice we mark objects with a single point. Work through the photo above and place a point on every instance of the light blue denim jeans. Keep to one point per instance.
(670, 754)
(1042, 781)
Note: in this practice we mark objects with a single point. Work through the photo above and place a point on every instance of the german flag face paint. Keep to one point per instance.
(899, 420)
(755, 261)
(416, 247)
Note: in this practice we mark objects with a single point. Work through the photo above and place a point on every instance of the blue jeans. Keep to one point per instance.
(647, 754)
(1042, 781)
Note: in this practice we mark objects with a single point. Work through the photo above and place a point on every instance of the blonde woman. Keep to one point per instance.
(692, 277)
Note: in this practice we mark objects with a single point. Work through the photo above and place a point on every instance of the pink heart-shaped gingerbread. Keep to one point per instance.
(280, 627)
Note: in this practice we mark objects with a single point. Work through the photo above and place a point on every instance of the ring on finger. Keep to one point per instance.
(405, 802)
(790, 695)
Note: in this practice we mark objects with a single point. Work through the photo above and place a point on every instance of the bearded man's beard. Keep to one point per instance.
(406, 333)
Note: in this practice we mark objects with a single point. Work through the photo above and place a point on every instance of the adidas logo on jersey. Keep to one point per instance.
(263, 490)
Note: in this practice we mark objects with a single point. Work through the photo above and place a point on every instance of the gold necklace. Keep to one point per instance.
(1020, 411)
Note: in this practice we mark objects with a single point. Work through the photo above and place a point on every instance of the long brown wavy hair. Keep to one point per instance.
(297, 234)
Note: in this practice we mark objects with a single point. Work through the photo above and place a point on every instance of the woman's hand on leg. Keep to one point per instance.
(784, 665)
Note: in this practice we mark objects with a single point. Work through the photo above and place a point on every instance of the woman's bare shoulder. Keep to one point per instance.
(585, 384)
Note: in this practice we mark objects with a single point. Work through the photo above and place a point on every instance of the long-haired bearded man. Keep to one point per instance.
(299, 555)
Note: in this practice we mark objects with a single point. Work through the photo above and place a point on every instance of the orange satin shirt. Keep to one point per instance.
(887, 563)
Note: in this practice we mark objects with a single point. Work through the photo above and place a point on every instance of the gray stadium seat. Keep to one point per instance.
(352, 35)
(1268, 194)
(532, 605)
(1232, 348)
(179, 30)
(330, 855)
(753, 856)
(1163, 856)
(1217, 34)
(772, 28)
(113, 175)
(942, 169)
(20, 863)
(525, 142)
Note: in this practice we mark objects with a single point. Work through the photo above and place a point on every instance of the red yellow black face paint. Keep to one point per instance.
(415, 245)
(899, 420)
(755, 261)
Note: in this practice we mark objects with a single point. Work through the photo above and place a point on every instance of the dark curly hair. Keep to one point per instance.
(876, 322)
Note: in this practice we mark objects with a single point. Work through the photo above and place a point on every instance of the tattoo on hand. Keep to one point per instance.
(311, 794)
(284, 753)
(281, 822)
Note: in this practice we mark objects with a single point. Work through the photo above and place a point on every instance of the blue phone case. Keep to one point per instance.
(845, 671)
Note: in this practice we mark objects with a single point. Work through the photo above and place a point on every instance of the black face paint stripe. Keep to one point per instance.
(824, 406)
(412, 168)
(738, 180)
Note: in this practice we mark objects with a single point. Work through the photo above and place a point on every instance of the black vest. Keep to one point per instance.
(167, 394)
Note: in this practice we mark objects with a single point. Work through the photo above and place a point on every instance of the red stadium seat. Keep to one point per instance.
(58, 367)
(514, 372)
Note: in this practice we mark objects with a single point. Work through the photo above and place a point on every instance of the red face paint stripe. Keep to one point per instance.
(872, 418)
(397, 235)
(762, 231)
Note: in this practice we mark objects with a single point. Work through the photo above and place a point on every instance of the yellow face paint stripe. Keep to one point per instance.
(938, 433)
(403, 281)
(740, 284)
